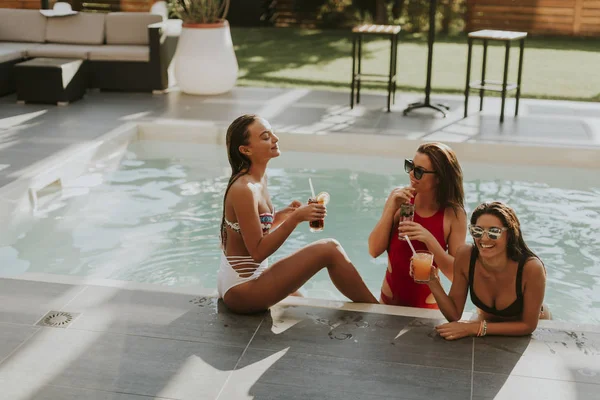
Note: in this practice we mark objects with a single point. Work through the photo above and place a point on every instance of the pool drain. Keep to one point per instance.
(57, 319)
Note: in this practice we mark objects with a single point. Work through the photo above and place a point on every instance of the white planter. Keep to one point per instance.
(205, 62)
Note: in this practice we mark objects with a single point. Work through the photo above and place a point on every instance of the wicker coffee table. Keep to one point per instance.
(50, 80)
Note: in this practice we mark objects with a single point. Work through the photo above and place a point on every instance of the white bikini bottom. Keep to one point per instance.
(231, 268)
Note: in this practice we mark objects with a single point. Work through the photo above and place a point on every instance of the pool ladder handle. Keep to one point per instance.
(35, 189)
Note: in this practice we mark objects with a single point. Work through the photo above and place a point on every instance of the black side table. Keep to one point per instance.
(50, 80)
(504, 36)
(391, 31)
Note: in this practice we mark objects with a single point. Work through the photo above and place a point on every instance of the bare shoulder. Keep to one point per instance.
(241, 188)
(463, 257)
(464, 251)
(456, 216)
(534, 269)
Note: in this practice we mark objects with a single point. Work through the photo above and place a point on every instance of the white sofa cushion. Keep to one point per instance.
(83, 28)
(56, 50)
(115, 52)
(22, 46)
(129, 27)
(22, 25)
(14, 50)
(8, 54)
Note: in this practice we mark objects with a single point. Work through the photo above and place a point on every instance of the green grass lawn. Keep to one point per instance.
(554, 68)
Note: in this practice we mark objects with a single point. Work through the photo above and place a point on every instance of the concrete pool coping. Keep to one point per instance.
(69, 164)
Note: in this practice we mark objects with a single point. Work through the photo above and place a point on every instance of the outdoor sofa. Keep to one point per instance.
(121, 51)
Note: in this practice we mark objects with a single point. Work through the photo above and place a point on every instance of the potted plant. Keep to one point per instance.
(205, 61)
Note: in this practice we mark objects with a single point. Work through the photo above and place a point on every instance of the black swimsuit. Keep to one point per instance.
(515, 309)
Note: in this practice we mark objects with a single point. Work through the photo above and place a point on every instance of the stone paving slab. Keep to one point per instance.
(134, 344)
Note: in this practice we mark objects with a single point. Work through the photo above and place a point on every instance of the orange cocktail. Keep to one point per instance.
(422, 262)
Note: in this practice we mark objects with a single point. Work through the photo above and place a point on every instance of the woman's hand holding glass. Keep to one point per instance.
(415, 231)
(433, 274)
(399, 196)
(310, 212)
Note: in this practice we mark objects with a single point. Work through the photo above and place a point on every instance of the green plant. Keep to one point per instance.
(200, 11)
(337, 14)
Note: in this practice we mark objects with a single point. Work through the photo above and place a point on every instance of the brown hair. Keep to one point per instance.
(449, 192)
(237, 135)
(516, 248)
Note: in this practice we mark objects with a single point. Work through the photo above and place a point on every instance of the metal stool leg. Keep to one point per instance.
(389, 97)
(483, 68)
(360, 39)
(353, 71)
(470, 52)
(506, 56)
(521, 47)
(395, 69)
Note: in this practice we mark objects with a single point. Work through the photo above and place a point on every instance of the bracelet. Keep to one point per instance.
(482, 328)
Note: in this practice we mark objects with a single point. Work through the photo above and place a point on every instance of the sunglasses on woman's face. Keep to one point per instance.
(493, 233)
(418, 172)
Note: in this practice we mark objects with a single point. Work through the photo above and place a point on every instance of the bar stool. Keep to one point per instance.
(392, 31)
(495, 86)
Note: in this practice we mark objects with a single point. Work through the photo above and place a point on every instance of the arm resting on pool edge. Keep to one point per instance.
(534, 285)
(452, 305)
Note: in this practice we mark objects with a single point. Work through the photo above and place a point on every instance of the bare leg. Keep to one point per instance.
(288, 274)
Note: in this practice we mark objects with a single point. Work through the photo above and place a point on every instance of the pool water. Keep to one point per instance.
(155, 219)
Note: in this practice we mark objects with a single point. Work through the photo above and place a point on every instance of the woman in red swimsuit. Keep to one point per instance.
(440, 224)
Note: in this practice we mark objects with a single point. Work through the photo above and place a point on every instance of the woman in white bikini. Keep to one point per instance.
(251, 231)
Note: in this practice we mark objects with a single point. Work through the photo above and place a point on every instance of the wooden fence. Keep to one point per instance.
(29, 4)
(541, 17)
(544, 17)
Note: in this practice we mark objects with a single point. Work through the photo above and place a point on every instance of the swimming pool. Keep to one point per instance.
(155, 218)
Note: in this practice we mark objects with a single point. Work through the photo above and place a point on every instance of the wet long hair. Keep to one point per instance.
(516, 248)
(449, 191)
(237, 135)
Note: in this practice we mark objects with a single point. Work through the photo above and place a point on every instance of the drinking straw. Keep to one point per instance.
(312, 189)
(410, 244)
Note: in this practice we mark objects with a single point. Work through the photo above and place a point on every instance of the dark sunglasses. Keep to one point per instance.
(418, 172)
(493, 233)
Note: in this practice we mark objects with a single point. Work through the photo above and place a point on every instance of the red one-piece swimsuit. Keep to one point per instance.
(404, 289)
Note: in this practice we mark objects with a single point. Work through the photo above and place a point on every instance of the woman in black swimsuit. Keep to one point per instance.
(505, 278)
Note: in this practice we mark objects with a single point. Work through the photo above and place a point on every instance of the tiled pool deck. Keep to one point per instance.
(135, 344)
(131, 341)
